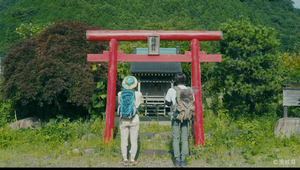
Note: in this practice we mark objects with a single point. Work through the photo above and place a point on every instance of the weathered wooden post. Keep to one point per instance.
(286, 126)
(113, 56)
(291, 96)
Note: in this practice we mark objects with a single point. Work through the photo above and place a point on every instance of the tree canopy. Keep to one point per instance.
(38, 61)
(249, 75)
(136, 14)
(49, 74)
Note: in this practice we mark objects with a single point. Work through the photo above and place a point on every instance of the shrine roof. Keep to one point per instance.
(156, 67)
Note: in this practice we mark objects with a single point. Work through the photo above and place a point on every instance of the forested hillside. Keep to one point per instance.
(45, 74)
(258, 36)
(152, 15)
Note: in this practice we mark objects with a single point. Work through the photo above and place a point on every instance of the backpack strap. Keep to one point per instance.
(177, 89)
(133, 103)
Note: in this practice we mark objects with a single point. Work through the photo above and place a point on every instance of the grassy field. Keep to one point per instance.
(228, 143)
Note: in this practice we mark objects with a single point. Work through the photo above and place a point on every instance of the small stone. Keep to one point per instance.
(66, 144)
(88, 151)
(88, 136)
(75, 150)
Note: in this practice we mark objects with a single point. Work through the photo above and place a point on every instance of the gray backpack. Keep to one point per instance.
(184, 107)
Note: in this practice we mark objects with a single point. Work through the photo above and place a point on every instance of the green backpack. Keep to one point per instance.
(184, 108)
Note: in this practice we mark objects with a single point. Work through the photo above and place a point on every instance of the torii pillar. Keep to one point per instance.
(113, 56)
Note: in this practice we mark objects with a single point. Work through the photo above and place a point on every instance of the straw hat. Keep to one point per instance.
(129, 82)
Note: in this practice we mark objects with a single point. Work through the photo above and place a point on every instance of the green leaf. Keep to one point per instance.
(94, 97)
(94, 67)
(98, 104)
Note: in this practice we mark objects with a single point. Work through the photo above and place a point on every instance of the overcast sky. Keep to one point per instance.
(297, 3)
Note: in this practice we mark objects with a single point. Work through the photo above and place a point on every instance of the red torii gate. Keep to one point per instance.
(113, 56)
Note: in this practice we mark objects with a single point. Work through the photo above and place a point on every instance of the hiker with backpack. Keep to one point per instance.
(129, 101)
(181, 100)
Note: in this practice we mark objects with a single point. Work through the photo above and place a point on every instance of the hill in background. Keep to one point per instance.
(152, 15)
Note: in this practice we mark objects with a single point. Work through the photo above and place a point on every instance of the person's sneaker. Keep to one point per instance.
(133, 163)
(125, 162)
(177, 163)
(183, 163)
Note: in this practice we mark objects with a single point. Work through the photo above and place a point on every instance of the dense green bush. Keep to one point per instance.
(49, 75)
(6, 110)
(249, 75)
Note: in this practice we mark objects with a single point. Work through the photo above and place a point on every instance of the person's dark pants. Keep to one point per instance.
(192, 127)
(178, 126)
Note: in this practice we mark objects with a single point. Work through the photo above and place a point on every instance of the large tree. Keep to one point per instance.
(249, 75)
(49, 74)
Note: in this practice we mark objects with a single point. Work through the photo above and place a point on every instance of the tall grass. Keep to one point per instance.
(252, 140)
(240, 141)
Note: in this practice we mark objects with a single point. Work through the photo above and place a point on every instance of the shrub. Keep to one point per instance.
(49, 75)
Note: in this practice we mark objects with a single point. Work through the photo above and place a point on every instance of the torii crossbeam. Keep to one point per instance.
(113, 56)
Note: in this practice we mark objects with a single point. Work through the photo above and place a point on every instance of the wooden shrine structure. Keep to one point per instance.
(153, 37)
(154, 80)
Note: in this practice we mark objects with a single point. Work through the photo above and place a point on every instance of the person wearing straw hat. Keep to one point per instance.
(130, 126)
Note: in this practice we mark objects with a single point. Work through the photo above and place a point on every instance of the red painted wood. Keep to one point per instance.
(142, 35)
(111, 90)
(113, 56)
(160, 58)
(196, 81)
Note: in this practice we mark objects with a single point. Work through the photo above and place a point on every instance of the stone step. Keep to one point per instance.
(161, 120)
